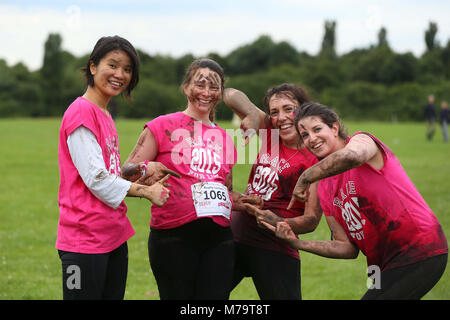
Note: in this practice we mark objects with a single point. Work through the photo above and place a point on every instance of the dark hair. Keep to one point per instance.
(290, 90)
(327, 115)
(204, 63)
(105, 45)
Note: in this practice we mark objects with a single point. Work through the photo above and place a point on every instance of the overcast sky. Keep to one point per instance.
(200, 27)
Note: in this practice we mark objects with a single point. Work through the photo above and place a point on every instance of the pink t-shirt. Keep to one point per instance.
(86, 224)
(382, 213)
(199, 153)
(273, 177)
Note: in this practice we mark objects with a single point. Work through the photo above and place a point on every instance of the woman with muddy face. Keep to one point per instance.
(273, 265)
(93, 227)
(370, 205)
(190, 244)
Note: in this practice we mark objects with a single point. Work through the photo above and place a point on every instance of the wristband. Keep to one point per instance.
(144, 169)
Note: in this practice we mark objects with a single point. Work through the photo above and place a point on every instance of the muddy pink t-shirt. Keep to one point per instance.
(273, 177)
(86, 224)
(200, 154)
(382, 213)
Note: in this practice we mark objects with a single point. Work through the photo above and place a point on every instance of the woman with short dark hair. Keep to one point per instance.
(93, 228)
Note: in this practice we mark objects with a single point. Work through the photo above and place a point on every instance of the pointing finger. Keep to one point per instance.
(291, 203)
(268, 226)
(246, 141)
(171, 172)
(164, 179)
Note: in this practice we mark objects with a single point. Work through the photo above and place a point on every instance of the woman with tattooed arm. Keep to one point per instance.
(370, 205)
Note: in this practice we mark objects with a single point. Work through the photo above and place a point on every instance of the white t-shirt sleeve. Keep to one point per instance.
(87, 157)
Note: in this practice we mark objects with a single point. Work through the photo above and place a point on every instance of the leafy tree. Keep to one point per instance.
(181, 66)
(382, 37)
(370, 83)
(20, 93)
(329, 40)
(284, 53)
(445, 54)
(371, 65)
(252, 57)
(399, 68)
(159, 68)
(52, 76)
(323, 73)
(430, 35)
(152, 99)
(432, 69)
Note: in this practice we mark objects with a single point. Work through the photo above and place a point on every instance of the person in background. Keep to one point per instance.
(444, 118)
(370, 205)
(430, 117)
(93, 228)
(272, 264)
(190, 245)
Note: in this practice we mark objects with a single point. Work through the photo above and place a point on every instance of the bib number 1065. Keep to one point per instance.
(213, 194)
(211, 199)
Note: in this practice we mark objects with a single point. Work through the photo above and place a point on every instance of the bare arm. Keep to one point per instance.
(252, 117)
(359, 150)
(339, 248)
(135, 167)
(310, 219)
(302, 224)
(146, 148)
(241, 104)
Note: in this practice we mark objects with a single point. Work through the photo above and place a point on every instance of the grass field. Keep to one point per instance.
(29, 264)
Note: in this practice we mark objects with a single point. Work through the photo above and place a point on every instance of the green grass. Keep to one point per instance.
(29, 263)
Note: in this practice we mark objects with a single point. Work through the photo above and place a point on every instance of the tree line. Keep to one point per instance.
(366, 83)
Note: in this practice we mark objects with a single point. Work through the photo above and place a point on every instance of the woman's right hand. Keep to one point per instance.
(154, 171)
(300, 192)
(250, 126)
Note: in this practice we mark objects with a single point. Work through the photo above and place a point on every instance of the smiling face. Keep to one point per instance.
(203, 91)
(281, 111)
(318, 137)
(112, 75)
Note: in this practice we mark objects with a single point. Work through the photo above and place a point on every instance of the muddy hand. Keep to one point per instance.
(253, 200)
(159, 193)
(155, 171)
(300, 193)
(262, 215)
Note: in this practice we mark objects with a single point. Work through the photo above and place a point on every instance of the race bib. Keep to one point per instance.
(211, 199)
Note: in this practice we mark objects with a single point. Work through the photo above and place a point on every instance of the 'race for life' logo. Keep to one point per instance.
(349, 205)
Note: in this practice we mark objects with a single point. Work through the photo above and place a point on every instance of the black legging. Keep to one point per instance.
(94, 276)
(276, 276)
(193, 261)
(410, 282)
